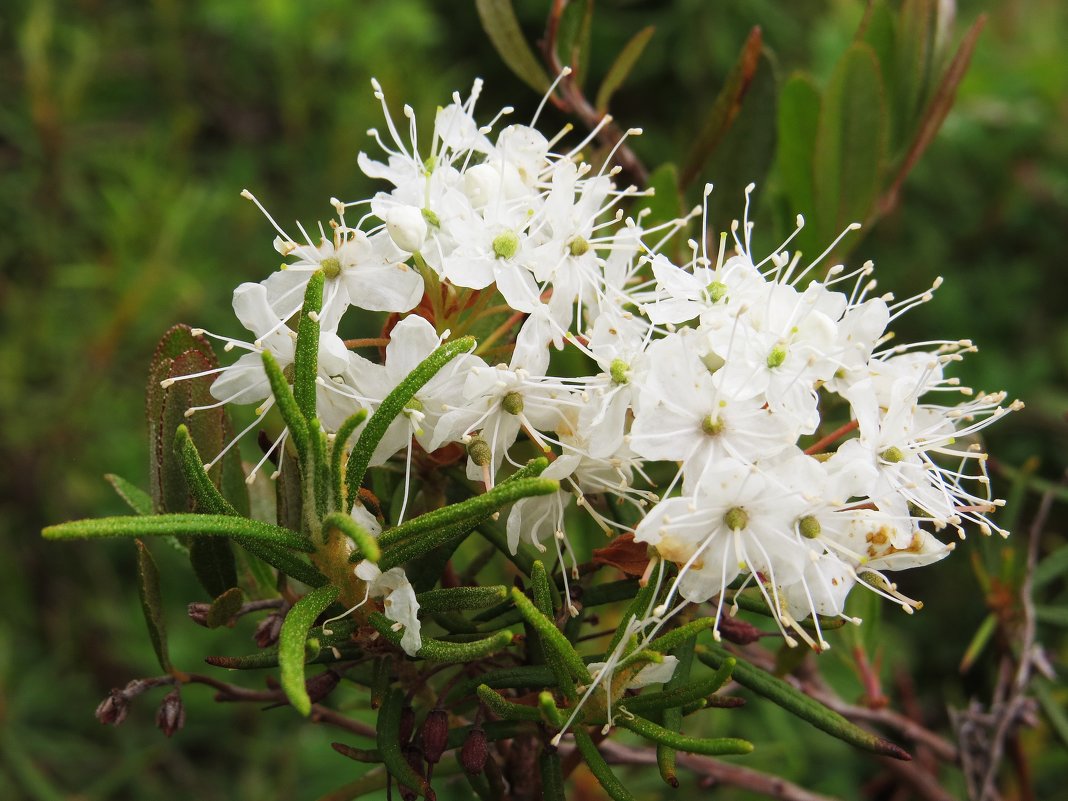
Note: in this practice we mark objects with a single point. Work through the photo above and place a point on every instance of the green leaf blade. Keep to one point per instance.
(502, 26)
(291, 644)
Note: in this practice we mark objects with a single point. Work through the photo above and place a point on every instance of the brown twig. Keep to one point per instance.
(716, 771)
(572, 100)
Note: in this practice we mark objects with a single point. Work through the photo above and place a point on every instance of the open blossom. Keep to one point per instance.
(804, 453)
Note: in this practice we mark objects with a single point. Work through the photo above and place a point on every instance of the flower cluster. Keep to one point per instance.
(798, 449)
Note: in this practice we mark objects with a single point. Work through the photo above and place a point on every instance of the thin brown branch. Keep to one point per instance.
(570, 99)
(715, 771)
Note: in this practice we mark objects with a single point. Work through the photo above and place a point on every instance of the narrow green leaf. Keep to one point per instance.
(461, 598)
(639, 608)
(501, 25)
(551, 637)
(505, 709)
(979, 642)
(682, 693)
(670, 714)
(224, 607)
(391, 747)
(522, 676)
(754, 603)
(599, 768)
(798, 123)
(573, 38)
(291, 642)
(213, 563)
(366, 545)
(799, 704)
(1051, 566)
(337, 456)
(306, 351)
(152, 603)
(179, 525)
(677, 636)
(440, 543)
(552, 776)
(619, 71)
(434, 650)
(287, 406)
(541, 588)
(724, 109)
(714, 746)
(1053, 615)
(850, 144)
(918, 23)
(136, 498)
(394, 404)
(478, 506)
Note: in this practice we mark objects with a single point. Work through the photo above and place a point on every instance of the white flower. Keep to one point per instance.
(399, 603)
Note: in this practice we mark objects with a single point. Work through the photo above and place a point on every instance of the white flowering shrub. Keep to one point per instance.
(743, 427)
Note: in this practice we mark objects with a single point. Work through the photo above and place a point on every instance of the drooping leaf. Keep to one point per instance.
(291, 644)
(451, 599)
(724, 109)
(711, 746)
(501, 25)
(434, 650)
(152, 603)
(619, 71)
(306, 351)
(616, 790)
(390, 746)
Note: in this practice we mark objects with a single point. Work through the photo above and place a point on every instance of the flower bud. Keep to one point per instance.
(435, 735)
(268, 630)
(113, 709)
(475, 751)
(407, 227)
(171, 715)
(198, 613)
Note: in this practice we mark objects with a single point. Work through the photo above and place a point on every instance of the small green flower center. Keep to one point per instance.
(620, 371)
(776, 357)
(512, 403)
(505, 245)
(578, 246)
(716, 290)
(893, 454)
(431, 218)
(429, 165)
(331, 267)
(414, 405)
(736, 518)
(809, 527)
(479, 451)
(712, 425)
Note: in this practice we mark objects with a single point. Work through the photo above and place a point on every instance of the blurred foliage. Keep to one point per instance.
(126, 133)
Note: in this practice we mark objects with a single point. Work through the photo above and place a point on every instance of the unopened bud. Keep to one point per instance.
(475, 751)
(268, 630)
(113, 709)
(435, 735)
(171, 715)
(198, 613)
(407, 227)
(415, 761)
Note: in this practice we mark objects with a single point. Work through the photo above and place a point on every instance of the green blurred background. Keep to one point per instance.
(127, 130)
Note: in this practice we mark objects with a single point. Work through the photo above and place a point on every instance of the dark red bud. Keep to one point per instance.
(113, 709)
(738, 631)
(475, 751)
(435, 735)
(171, 715)
(415, 759)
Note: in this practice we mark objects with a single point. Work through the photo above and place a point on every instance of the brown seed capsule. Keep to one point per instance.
(475, 751)
(435, 735)
(113, 709)
(171, 715)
